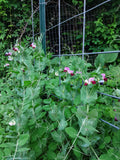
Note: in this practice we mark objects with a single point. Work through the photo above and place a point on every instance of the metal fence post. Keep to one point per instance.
(42, 23)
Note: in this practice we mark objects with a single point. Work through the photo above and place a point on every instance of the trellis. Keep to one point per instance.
(43, 31)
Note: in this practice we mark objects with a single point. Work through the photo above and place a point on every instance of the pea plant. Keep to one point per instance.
(51, 111)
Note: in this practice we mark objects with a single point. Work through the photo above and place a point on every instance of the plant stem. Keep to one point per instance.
(16, 148)
(95, 153)
(75, 139)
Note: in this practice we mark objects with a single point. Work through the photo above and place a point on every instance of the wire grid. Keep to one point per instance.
(71, 29)
(60, 27)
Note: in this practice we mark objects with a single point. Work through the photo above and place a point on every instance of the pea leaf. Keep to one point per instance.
(23, 139)
(71, 132)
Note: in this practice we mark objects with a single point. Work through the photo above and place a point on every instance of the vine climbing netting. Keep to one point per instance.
(64, 31)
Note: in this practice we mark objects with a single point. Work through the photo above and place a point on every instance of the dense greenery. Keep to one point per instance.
(14, 17)
(104, 30)
(42, 120)
(50, 111)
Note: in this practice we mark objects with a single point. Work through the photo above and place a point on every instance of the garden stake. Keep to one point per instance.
(91, 53)
(59, 28)
(84, 21)
(32, 20)
(108, 95)
(110, 124)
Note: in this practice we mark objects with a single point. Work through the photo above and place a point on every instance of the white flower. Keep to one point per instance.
(10, 58)
(101, 81)
(56, 73)
(12, 123)
(16, 45)
(86, 81)
(77, 72)
(51, 70)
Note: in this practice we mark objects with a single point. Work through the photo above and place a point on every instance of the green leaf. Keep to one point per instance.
(93, 113)
(52, 146)
(62, 124)
(23, 149)
(102, 146)
(47, 107)
(47, 101)
(57, 136)
(53, 114)
(41, 115)
(77, 100)
(107, 139)
(77, 153)
(1, 154)
(88, 95)
(67, 113)
(7, 151)
(105, 58)
(71, 132)
(85, 140)
(51, 155)
(23, 139)
(110, 57)
(89, 126)
(105, 157)
(8, 145)
(27, 83)
(99, 61)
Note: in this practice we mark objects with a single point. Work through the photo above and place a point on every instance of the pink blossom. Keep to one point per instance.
(93, 82)
(105, 79)
(9, 54)
(66, 69)
(71, 72)
(6, 65)
(103, 75)
(15, 49)
(85, 84)
(91, 79)
(116, 119)
(33, 45)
